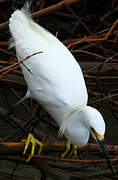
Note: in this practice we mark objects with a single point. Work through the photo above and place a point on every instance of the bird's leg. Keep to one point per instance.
(67, 149)
(31, 139)
(73, 152)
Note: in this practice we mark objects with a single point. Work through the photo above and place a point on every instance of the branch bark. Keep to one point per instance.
(16, 148)
(46, 11)
(93, 38)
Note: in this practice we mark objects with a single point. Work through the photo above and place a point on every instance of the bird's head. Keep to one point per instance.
(96, 125)
(80, 122)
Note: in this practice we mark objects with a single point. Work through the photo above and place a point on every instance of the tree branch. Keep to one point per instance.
(46, 11)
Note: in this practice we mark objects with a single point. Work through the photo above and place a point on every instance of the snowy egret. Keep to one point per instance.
(55, 80)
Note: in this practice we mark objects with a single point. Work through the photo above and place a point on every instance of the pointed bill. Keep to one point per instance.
(102, 145)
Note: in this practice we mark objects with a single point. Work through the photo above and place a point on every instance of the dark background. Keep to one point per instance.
(98, 60)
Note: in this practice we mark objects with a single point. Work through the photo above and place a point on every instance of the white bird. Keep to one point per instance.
(55, 80)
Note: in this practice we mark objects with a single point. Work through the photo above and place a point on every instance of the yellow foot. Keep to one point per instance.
(72, 153)
(31, 139)
(67, 149)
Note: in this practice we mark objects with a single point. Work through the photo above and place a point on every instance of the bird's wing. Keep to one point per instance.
(54, 72)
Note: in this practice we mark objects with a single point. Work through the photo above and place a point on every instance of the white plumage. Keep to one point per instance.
(56, 80)
(78, 124)
(56, 76)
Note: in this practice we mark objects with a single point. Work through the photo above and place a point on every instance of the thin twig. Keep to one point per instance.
(46, 11)
(93, 38)
(15, 66)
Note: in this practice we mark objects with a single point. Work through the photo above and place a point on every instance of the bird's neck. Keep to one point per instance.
(71, 111)
(73, 125)
(60, 113)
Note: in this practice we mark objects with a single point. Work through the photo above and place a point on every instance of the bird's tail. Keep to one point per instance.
(18, 22)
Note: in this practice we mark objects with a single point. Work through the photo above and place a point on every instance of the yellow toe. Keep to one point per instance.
(66, 150)
(27, 143)
(31, 139)
(73, 152)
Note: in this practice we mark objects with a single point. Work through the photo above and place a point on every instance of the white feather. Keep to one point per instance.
(56, 81)
(66, 120)
(56, 76)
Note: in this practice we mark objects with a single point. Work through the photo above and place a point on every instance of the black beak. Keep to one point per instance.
(102, 145)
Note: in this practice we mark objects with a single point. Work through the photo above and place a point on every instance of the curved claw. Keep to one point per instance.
(31, 139)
